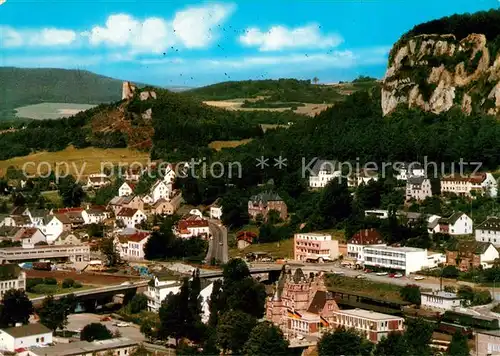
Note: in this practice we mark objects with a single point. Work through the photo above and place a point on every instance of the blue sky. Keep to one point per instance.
(196, 43)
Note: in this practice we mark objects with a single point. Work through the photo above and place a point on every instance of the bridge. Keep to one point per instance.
(100, 292)
(272, 271)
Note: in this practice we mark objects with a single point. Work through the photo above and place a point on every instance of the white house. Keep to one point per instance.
(456, 224)
(131, 246)
(435, 259)
(15, 278)
(358, 241)
(192, 226)
(489, 231)
(126, 189)
(216, 210)
(54, 226)
(21, 337)
(97, 180)
(95, 215)
(405, 171)
(160, 190)
(440, 300)
(322, 173)
(418, 188)
(130, 217)
(479, 184)
(405, 259)
(31, 236)
(159, 287)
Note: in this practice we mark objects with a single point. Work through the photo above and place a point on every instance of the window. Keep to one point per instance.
(37, 340)
(43, 339)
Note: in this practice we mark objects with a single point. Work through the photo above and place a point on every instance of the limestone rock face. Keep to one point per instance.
(438, 72)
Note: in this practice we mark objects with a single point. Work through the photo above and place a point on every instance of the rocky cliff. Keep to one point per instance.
(438, 72)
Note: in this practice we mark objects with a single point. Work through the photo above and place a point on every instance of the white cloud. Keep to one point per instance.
(280, 37)
(45, 37)
(194, 27)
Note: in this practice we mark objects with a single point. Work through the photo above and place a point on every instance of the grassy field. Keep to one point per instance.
(218, 145)
(86, 161)
(59, 290)
(377, 290)
(282, 249)
(53, 196)
(47, 111)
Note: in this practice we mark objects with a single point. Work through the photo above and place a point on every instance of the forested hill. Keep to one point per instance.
(26, 86)
(281, 90)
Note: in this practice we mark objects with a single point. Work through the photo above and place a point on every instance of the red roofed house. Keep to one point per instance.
(30, 236)
(126, 189)
(245, 239)
(131, 246)
(480, 184)
(130, 217)
(363, 238)
(192, 226)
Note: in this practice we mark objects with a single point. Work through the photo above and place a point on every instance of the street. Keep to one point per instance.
(218, 244)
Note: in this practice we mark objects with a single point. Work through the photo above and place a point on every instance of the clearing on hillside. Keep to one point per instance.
(218, 145)
(87, 160)
(46, 111)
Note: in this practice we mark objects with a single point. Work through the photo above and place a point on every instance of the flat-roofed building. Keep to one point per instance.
(405, 259)
(315, 246)
(487, 343)
(373, 325)
(440, 300)
(20, 337)
(116, 346)
(73, 253)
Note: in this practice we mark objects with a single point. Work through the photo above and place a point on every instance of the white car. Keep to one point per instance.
(398, 275)
(361, 276)
(381, 273)
(122, 325)
(338, 272)
(419, 278)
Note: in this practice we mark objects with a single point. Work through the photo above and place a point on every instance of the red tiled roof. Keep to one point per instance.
(28, 232)
(192, 221)
(366, 237)
(246, 235)
(127, 212)
(138, 236)
(68, 210)
(476, 179)
(63, 218)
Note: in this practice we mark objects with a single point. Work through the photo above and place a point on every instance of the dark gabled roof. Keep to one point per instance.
(127, 212)
(265, 197)
(416, 180)
(298, 275)
(318, 302)
(472, 246)
(324, 165)
(38, 213)
(27, 330)
(366, 237)
(18, 210)
(491, 223)
(452, 219)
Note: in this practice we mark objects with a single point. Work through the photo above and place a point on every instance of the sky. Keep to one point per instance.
(187, 43)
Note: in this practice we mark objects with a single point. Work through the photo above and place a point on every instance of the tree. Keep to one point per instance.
(315, 80)
(233, 331)
(458, 345)
(411, 293)
(16, 307)
(266, 339)
(418, 336)
(449, 272)
(53, 314)
(71, 192)
(393, 344)
(138, 303)
(344, 342)
(95, 331)
(214, 304)
(150, 326)
(335, 204)
(273, 217)
(108, 249)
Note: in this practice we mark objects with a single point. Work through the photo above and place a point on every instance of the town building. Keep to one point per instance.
(435, 259)
(377, 213)
(489, 231)
(98, 180)
(487, 342)
(69, 238)
(301, 305)
(131, 245)
(471, 254)
(418, 188)
(160, 190)
(169, 205)
(132, 174)
(456, 224)
(55, 225)
(191, 226)
(11, 277)
(404, 259)
(440, 300)
(22, 337)
(315, 246)
(409, 170)
(130, 201)
(72, 253)
(261, 204)
(95, 214)
(160, 286)
(470, 186)
(30, 236)
(323, 172)
(245, 239)
(361, 239)
(116, 346)
(374, 326)
(216, 209)
(130, 217)
(126, 189)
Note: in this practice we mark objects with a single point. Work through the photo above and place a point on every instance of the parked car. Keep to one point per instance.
(368, 270)
(361, 276)
(106, 318)
(419, 278)
(338, 272)
(122, 325)
(381, 273)
(398, 275)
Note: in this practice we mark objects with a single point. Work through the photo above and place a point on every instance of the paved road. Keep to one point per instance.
(218, 244)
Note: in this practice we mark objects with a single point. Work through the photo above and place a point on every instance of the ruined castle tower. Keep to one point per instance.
(128, 90)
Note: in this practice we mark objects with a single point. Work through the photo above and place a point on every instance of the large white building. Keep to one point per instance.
(363, 238)
(440, 300)
(22, 337)
(130, 244)
(323, 172)
(489, 231)
(315, 246)
(479, 184)
(456, 224)
(13, 277)
(405, 259)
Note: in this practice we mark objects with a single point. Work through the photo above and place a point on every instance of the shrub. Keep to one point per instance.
(450, 272)
(411, 293)
(68, 283)
(77, 284)
(32, 282)
(50, 281)
(45, 289)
